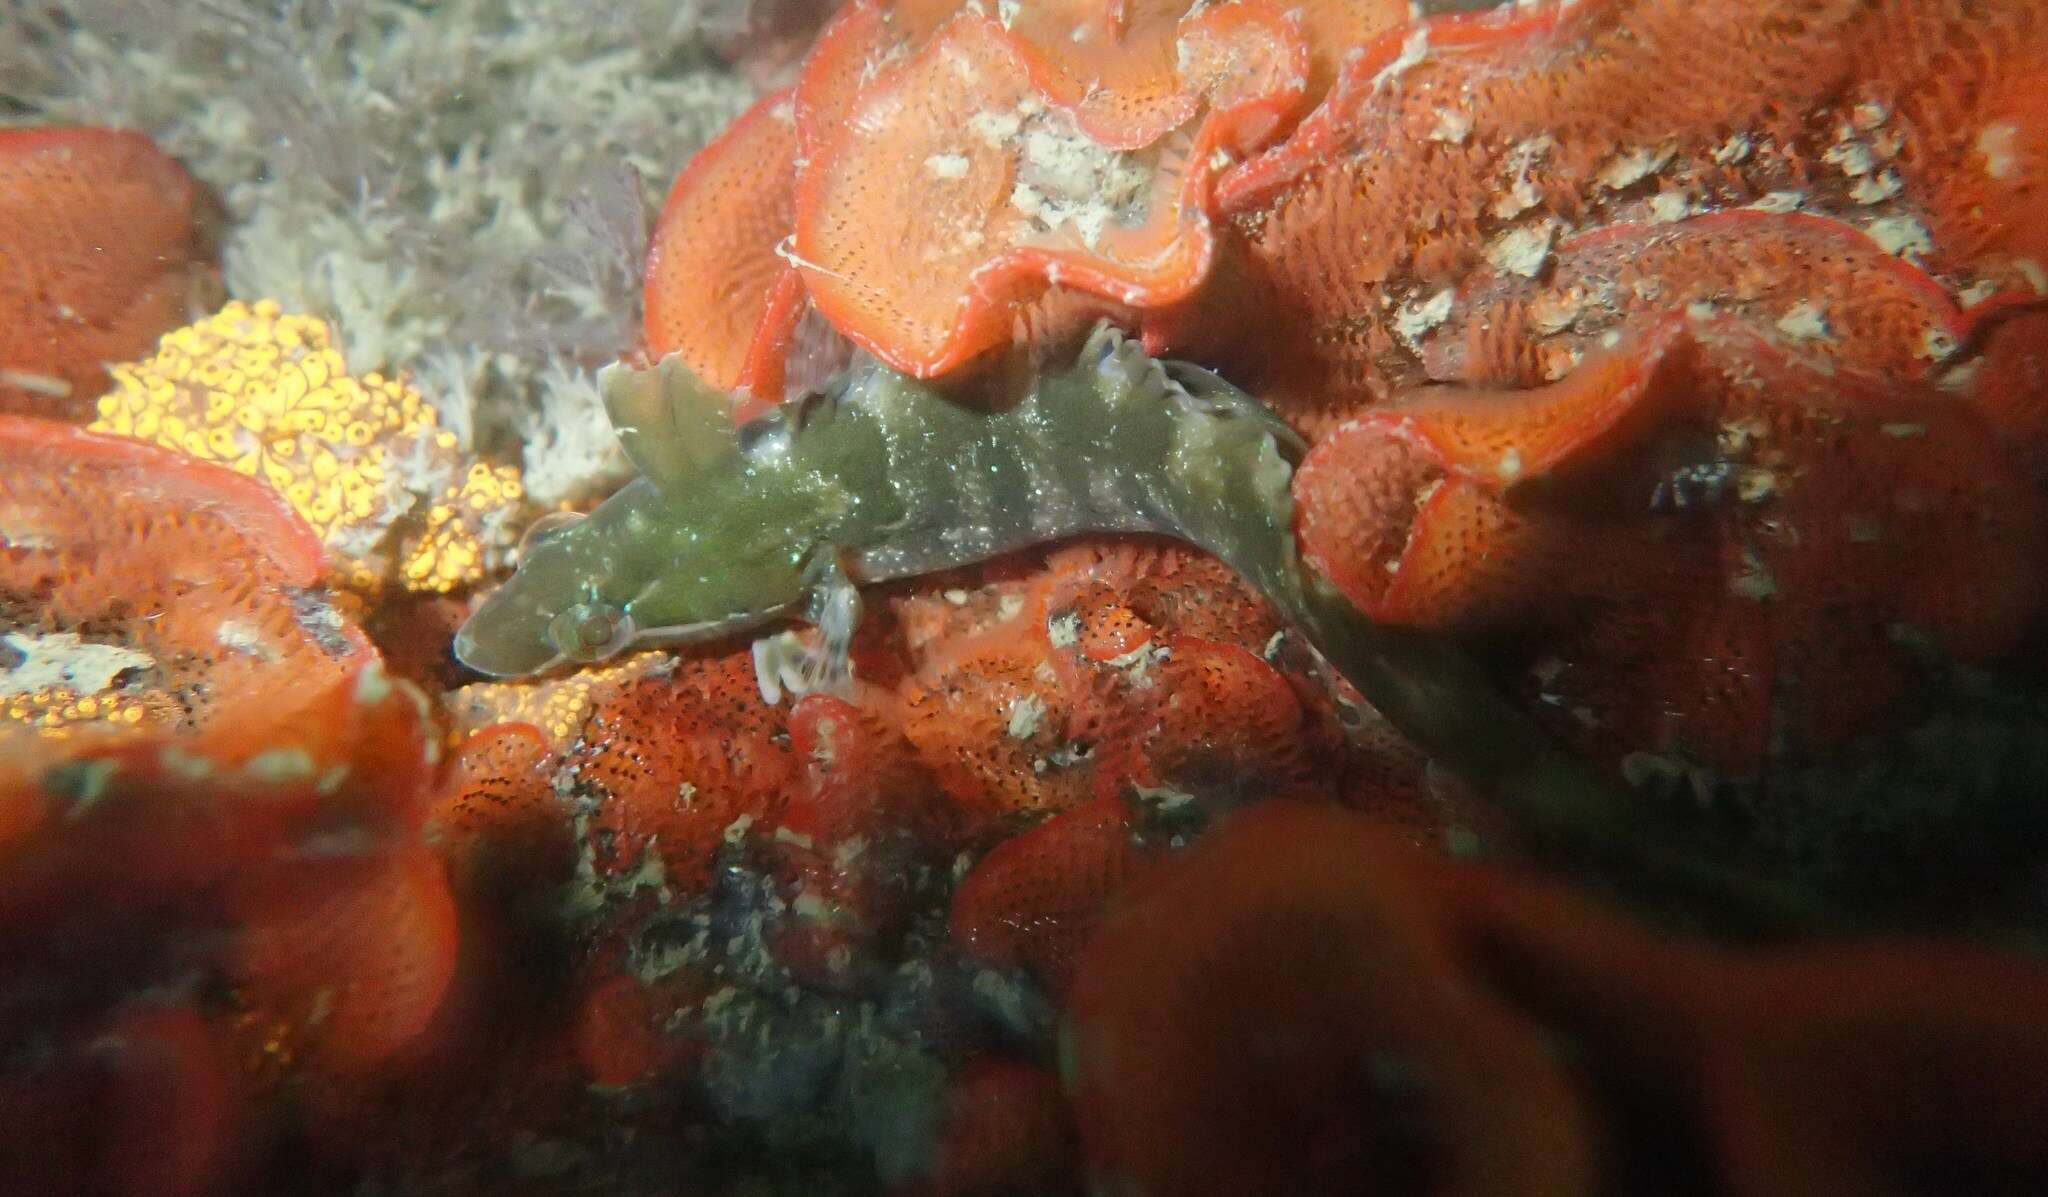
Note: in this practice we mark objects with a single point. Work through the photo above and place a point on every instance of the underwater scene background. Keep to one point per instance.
(950, 599)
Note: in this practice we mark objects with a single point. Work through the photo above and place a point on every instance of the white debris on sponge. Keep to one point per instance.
(1523, 250)
(1065, 179)
(1027, 715)
(1519, 194)
(1632, 166)
(1416, 320)
(1064, 631)
(1778, 203)
(1806, 322)
(2001, 157)
(1938, 344)
(1901, 236)
(1413, 51)
(1853, 158)
(243, 637)
(1734, 150)
(1668, 207)
(1452, 126)
(64, 661)
(1877, 188)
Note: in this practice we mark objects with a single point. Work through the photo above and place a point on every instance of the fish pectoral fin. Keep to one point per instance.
(787, 663)
(673, 426)
(834, 608)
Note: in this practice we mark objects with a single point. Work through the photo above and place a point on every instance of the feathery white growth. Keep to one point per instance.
(572, 451)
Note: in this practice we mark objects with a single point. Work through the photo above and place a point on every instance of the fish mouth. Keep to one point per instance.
(506, 639)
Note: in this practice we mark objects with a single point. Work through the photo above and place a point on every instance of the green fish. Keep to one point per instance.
(879, 476)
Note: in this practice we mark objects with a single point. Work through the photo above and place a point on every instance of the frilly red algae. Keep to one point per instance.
(713, 265)
(218, 784)
(107, 243)
(1016, 130)
(1014, 200)
(1761, 574)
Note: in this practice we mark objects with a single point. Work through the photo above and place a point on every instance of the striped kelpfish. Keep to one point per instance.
(878, 476)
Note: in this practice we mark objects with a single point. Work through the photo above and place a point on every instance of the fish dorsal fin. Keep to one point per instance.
(673, 426)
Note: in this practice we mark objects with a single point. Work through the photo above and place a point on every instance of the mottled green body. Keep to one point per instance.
(881, 477)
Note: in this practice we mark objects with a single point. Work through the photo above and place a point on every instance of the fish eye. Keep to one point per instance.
(590, 631)
(546, 528)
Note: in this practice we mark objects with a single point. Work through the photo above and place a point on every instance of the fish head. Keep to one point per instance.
(571, 601)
